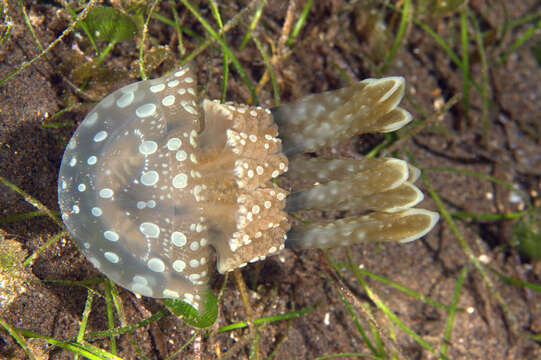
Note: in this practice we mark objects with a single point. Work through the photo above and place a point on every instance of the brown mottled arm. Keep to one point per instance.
(329, 118)
(384, 185)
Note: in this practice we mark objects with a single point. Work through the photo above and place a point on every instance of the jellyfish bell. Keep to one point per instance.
(152, 178)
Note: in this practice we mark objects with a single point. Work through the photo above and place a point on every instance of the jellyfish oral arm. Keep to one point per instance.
(383, 187)
(328, 118)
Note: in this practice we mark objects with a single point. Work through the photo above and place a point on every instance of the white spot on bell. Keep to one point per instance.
(125, 99)
(170, 293)
(142, 289)
(178, 239)
(138, 279)
(92, 160)
(181, 155)
(111, 257)
(150, 178)
(181, 72)
(91, 119)
(150, 229)
(179, 265)
(100, 136)
(148, 147)
(174, 144)
(190, 109)
(106, 193)
(157, 88)
(180, 181)
(111, 236)
(168, 100)
(145, 110)
(156, 265)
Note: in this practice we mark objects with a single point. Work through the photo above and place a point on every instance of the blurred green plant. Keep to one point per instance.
(109, 24)
(536, 50)
(190, 315)
(105, 24)
(526, 234)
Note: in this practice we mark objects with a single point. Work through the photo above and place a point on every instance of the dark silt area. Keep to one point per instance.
(474, 90)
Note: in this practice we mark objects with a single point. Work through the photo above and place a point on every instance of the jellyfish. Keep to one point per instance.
(155, 178)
